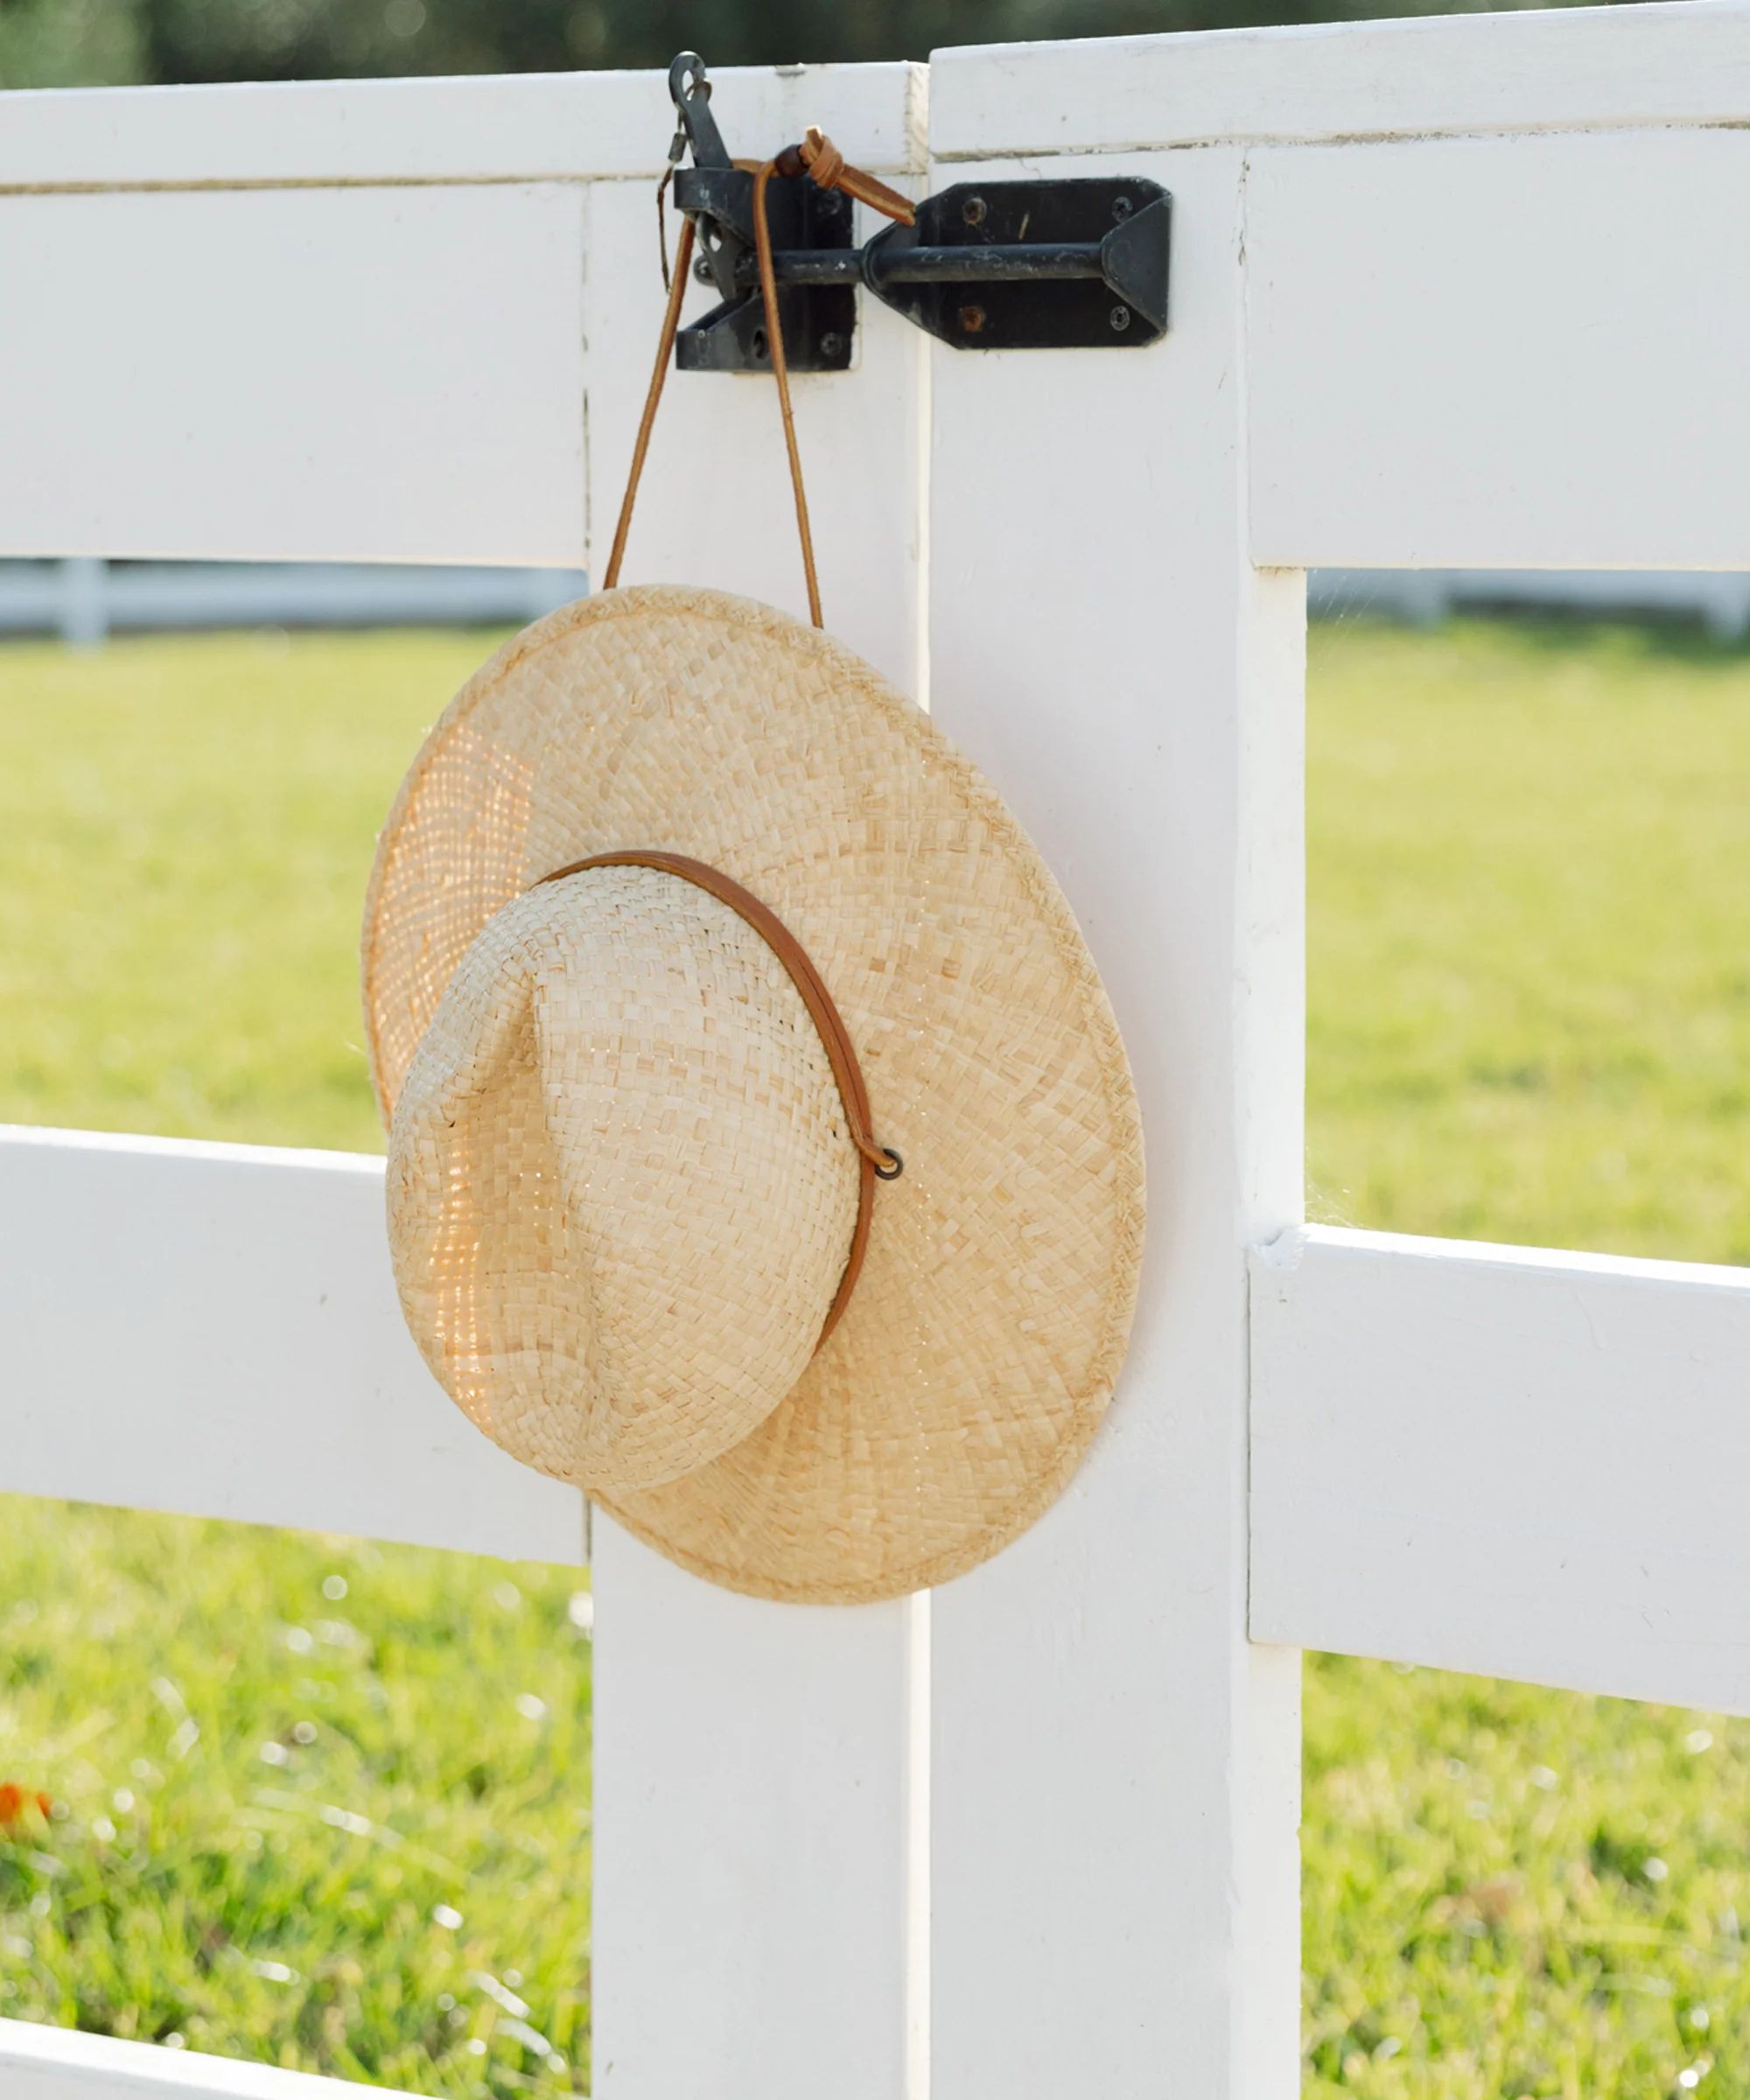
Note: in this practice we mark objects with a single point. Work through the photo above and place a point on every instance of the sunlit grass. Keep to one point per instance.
(1530, 935)
(1530, 1019)
(317, 1802)
(186, 829)
(1513, 1892)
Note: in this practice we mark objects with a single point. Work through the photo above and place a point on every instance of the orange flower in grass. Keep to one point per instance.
(15, 1800)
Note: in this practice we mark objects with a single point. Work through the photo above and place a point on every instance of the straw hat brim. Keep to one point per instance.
(978, 1353)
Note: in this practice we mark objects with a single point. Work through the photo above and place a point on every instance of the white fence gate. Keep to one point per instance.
(1447, 292)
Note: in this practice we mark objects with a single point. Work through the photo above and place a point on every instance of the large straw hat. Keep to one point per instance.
(624, 1177)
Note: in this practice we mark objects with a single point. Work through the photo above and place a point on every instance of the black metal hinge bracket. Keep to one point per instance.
(1080, 263)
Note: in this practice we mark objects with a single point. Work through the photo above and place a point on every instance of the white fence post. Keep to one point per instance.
(752, 1759)
(1116, 1773)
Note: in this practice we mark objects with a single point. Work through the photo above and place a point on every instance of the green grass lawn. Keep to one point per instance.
(1529, 957)
(317, 1801)
(185, 830)
(326, 1803)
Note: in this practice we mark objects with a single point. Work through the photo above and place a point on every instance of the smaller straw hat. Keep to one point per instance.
(686, 929)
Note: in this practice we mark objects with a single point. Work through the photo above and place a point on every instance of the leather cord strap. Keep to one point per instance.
(647, 422)
(819, 158)
(781, 371)
(875, 1161)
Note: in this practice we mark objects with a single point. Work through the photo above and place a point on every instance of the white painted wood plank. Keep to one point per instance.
(1495, 1459)
(488, 128)
(55, 2063)
(1506, 352)
(1115, 1898)
(213, 1329)
(346, 375)
(750, 1759)
(1520, 71)
(751, 1768)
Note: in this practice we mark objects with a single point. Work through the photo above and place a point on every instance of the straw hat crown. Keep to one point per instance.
(628, 1190)
(620, 1190)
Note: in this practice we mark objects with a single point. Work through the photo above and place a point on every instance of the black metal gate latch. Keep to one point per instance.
(1078, 264)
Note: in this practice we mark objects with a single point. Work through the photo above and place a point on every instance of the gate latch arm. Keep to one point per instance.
(1040, 265)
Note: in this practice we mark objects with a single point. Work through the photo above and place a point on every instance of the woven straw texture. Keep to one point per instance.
(621, 1189)
(620, 1186)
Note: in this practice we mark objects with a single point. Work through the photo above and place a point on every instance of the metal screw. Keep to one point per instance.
(972, 319)
(1121, 208)
(973, 210)
(1120, 317)
(832, 345)
(702, 269)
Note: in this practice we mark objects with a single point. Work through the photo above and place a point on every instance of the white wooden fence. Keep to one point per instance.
(1462, 291)
(1719, 601)
(84, 598)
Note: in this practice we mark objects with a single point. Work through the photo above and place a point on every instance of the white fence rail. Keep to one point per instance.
(212, 1329)
(45, 2064)
(1500, 1459)
(1444, 292)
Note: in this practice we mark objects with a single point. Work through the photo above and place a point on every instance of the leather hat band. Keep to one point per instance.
(875, 1161)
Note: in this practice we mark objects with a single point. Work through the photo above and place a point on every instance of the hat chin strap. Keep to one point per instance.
(875, 1161)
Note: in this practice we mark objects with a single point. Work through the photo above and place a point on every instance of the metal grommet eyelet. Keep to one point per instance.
(890, 1173)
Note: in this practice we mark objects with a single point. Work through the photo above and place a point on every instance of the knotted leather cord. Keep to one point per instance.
(818, 158)
(874, 1160)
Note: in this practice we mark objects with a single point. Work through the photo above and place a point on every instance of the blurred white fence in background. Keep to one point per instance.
(1719, 598)
(83, 598)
